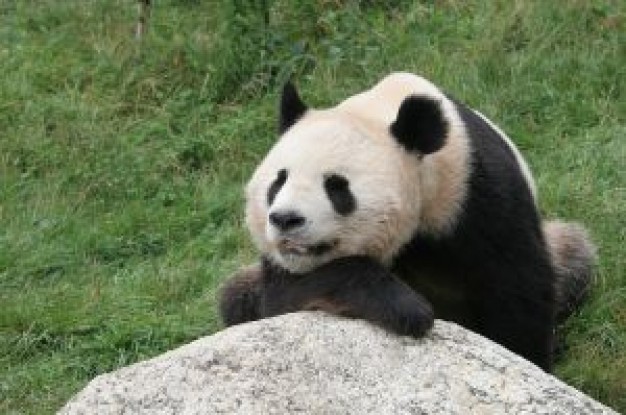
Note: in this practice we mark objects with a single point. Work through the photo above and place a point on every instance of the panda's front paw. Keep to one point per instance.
(412, 315)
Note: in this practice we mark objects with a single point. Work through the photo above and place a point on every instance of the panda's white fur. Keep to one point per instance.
(353, 139)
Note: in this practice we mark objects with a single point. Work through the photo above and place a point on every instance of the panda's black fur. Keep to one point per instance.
(492, 273)
(355, 286)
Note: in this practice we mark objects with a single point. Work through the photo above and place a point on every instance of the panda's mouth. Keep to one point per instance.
(292, 247)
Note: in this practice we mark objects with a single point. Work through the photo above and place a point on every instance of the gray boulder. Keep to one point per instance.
(319, 364)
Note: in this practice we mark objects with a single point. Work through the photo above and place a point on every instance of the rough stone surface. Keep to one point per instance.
(319, 364)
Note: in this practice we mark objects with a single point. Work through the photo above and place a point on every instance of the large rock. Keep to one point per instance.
(315, 363)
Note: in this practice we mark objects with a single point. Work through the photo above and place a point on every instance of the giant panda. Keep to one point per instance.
(399, 205)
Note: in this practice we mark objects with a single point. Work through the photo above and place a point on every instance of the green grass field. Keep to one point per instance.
(122, 163)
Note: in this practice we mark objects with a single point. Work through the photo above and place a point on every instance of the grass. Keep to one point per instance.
(122, 162)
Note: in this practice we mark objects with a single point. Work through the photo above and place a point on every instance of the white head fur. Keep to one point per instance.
(397, 191)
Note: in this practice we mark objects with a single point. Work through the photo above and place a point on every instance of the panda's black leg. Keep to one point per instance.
(355, 287)
(239, 297)
(387, 301)
(520, 319)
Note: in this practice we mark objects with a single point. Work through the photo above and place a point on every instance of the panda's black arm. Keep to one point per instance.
(239, 297)
(356, 287)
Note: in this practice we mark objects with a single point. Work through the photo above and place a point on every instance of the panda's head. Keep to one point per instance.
(339, 182)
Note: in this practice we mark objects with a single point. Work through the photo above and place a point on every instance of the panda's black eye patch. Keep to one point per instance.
(276, 185)
(338, 190)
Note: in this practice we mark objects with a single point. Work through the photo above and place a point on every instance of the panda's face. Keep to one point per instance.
(329, 189)
(359, 178)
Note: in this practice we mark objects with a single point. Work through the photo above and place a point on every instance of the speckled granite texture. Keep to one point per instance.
(318, 364)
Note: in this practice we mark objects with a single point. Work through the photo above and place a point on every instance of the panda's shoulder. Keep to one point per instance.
(490, 144)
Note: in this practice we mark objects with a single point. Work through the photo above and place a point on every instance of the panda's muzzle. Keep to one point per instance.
(290, 223)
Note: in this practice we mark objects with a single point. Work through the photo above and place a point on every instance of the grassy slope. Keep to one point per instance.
(121, 168)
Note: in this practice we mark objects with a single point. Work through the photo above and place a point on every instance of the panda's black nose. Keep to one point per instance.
(286, 221)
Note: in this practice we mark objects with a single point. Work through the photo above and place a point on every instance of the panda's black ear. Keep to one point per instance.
(291, 107)
(420, 125)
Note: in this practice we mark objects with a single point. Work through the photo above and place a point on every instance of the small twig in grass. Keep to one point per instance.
(142, 21)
